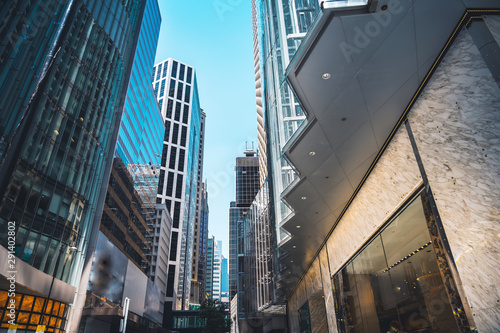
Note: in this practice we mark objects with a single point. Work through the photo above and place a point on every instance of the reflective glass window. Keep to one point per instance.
(394, 283)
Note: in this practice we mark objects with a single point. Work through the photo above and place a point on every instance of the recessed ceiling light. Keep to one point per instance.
(291, 260)
(295, 246)
(326, 76)
(304, 198)
(312, 153)
(298, 227)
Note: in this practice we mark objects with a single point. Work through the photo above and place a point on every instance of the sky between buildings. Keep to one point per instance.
(215, 37)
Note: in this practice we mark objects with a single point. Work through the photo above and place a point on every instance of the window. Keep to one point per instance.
(171, 88)
(167, 133)
(165, 68)
(182, 155)
(183, 136)
(162, 90)
(170, 106)
(171, 275)
(170, 184)
(173, 155)
(159, 72)
(177, 111)
(189, 74)
(181, 72)
(394, 283)
(178, 188)
(175, 134)
(174, 69)
(180, 86)
(177, 212)
(188, 94)
(185, 115)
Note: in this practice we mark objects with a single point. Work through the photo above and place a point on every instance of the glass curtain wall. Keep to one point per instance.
(282, 24)
(63, 115)
(398, 281)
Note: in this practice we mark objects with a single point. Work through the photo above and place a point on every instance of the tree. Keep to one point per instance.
(216, 317)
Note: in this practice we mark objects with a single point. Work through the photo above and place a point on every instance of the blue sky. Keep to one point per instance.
(215, 37)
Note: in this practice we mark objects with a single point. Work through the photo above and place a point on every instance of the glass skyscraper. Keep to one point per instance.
(64, 70)
(247, 186)
(177, 93)
(142, 128)
(281, 25)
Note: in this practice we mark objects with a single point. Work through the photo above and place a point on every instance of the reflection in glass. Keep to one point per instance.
(304, 319)
(394, 283)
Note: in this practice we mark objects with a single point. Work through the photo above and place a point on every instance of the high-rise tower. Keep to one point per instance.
(142, 126)
(247, 186)
(64, 71)
(177, 94)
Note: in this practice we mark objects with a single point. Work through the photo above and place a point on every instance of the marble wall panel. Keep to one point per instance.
(493, 23)
(327, 291)
(317, 313)
(314, 291)
(293, 315)
(314, 286)
(394, 178)
(456, 124)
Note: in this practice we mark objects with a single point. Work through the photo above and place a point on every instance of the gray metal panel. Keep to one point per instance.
(304, 189)
(327, 57)
(344, 116)
(366, 33)
(135, 288)
(328, 175)
(359, 146)
(432, 28)
(385, 118)
(338, 196)
(394, 62)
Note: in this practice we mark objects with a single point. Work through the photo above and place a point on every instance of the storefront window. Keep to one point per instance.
(394, 283)
(305, 319)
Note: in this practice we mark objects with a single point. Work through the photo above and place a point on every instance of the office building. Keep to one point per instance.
(261, 127)
(247, 186)
(216, 271)
(160, 224)
(121, 262)
(215, 259)
(396, 166)
(200, 228)
(142, 127)
(64, 71)
(124, 221)
(177, 94)
(210, 267)
(224, 284)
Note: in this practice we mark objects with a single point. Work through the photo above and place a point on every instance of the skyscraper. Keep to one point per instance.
(177, 94)
(142, 127)
(64, 70)
(247, 186)
(200, 227)
(210, 267)
(393, 142)
(122, 259)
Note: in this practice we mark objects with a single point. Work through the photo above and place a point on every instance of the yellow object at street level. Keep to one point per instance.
(40, 328)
